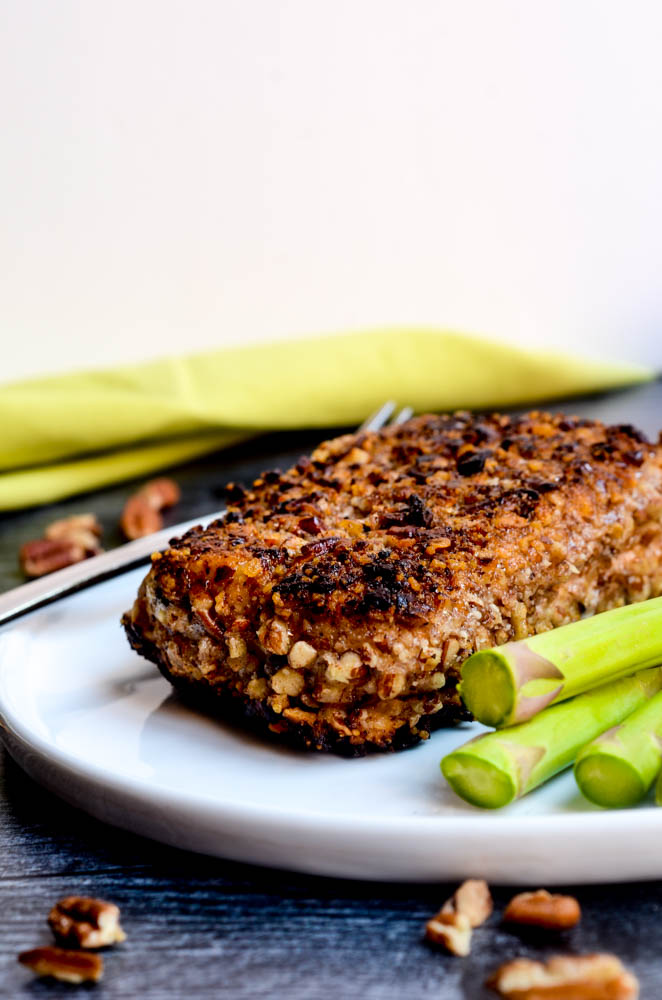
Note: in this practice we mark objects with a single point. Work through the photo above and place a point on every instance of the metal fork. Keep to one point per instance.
(120, 560)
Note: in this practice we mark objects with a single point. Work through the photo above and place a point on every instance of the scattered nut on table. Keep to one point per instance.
(84, 922)
(142, 512)
(42, 556)
(542, 909)
(65, 542)
(67, 966)
(566, 977)
(468, 907)
(82, 529)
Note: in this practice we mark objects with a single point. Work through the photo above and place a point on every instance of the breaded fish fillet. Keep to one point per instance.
(336, 601)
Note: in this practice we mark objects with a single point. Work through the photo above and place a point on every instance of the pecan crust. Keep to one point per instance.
(406, 549)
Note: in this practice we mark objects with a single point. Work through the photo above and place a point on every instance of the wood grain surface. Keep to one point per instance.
(204, 928)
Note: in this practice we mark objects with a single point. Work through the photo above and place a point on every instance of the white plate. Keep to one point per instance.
(96, 724)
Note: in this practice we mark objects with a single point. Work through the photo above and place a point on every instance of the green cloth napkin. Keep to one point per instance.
(66, 434)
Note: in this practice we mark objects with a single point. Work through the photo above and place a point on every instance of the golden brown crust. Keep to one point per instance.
(392, 555)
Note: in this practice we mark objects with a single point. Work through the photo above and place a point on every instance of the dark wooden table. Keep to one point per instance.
(204, 928)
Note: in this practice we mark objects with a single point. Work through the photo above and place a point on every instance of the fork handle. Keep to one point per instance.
(84, 574)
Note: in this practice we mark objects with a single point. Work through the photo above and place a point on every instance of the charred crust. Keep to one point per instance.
(472, 462)
(632, 432)
(452, 474)
(411, 512)
(137, 640)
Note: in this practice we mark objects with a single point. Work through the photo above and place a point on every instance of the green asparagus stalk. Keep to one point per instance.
(495, 768)
(658, 791)
(511, 683)
(618, 768)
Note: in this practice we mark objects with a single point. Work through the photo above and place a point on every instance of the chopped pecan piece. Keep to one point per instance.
(542, 909)
(302, 655)
(455, 937)
(67, 966)
(277, 637)
(566, 977)
(142, 512)
(472, 899)
(86, 922)
(468, 907)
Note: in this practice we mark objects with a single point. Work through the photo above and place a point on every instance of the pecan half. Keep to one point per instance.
(566, 977)
(43, 555)
(67, 966)
(86, 922)
(82, 529)
(468, 907)
(542, 909)
(65, 542)
(142, 512)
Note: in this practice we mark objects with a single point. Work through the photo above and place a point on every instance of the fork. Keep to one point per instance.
(130, 556)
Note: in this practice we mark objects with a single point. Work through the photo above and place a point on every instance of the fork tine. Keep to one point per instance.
(405, 413)
(379, 418)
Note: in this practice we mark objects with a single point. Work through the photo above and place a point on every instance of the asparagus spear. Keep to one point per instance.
(513, 682)
(658, 791)
(497, 767)
(619, 767)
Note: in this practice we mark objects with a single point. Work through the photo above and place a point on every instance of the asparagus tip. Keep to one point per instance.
(488, 687)
(478, 781)
(609, 781)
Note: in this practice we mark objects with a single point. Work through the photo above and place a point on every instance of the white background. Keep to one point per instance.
(182, 174)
